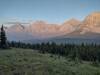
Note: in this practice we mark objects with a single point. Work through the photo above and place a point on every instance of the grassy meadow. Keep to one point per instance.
(17, 61)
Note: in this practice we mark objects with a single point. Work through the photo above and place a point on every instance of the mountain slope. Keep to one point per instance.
(69, 26)
(89, 28)
(91, 23)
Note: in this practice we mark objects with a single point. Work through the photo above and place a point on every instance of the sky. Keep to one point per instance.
(53, 11)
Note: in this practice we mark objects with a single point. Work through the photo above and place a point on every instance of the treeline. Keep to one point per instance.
(87, 52)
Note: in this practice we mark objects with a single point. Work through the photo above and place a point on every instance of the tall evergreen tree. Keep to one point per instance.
(3, 39)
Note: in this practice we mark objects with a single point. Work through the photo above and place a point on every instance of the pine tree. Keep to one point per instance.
(3, 39)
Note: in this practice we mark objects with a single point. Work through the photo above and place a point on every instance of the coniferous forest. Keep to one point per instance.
(18, 58)
(87, 52)
(50, 37)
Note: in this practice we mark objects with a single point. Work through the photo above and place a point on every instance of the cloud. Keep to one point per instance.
(16, 22)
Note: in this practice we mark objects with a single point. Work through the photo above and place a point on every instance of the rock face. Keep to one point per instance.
(91, 23)
(17, 32)
(43, 29)
(71, 28)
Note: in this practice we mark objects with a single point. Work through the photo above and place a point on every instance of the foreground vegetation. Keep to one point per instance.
(30, 62)
(86, 52)
(48, 58)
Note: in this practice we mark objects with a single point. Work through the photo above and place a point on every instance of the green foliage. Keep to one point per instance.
(30, 62)
(87, 52)
(3, 39)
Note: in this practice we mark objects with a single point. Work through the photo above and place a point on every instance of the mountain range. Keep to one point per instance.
(39, 31)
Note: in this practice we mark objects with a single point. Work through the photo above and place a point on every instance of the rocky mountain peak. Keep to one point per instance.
(93, 19)
(72, 22)
(91, 23)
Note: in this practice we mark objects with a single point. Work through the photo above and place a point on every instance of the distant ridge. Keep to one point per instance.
(88, 28)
